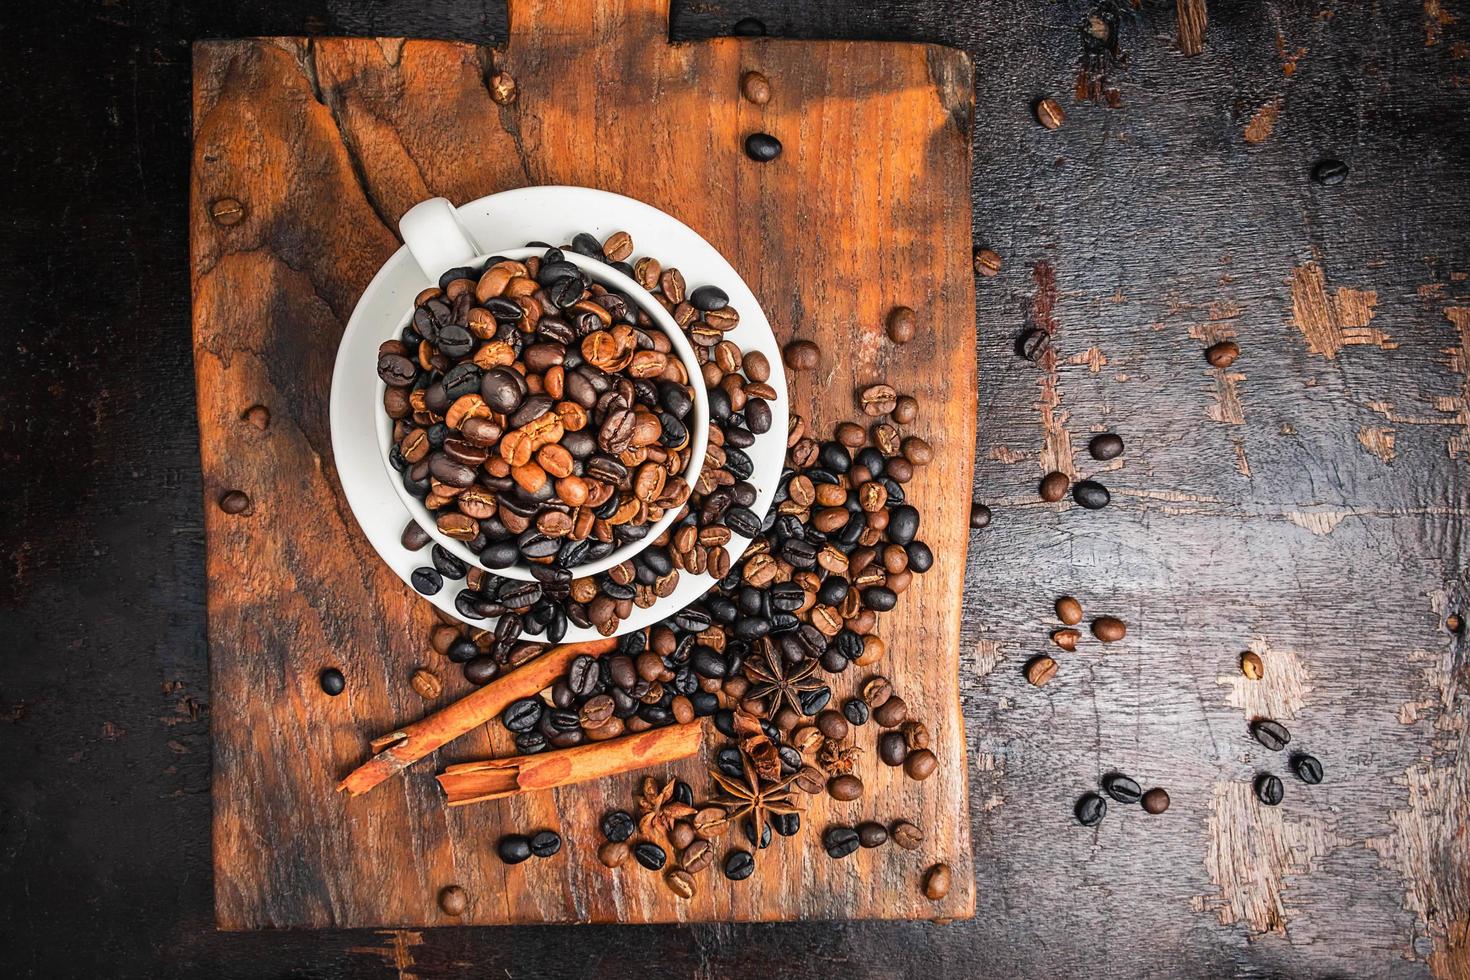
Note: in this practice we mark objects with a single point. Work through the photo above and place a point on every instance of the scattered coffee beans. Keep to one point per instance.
(1091, 809)
(1272, 734)
(979, 515)
(802, 355)
(739, 865)
(454, 900)
(425, 684)
(545, 843)
(1223, 354)
(839, 842)
(1329, 172)
(892, 712)
(1105, 446)
(855, 711)
(937, 882)
(1066, 639)
(1454, 623)
(1269, 789)
(1121, 788)
(1050, 114)
(258, 416)
(1091, 494)
(872, 834)
(756, 88)
(1156, 800)
(1041, 670)
(1069, 610)
(413, 537)
(613, 854)
(893, 748)
(234, 502)
(906, 835)
(920, 764)
(1307, 769)
(987, 262)
(1252, 666)
(680, 882)
(332, 681)
(514, 848)
(1109, 629)
(1054, 486)
(845, 788)
(762, 147)
(650, 855)
(902, 325)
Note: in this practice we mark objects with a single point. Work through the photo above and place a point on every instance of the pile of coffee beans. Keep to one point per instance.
(670, 821)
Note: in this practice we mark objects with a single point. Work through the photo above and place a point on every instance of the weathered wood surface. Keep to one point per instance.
(325, 142)
(1337, 554)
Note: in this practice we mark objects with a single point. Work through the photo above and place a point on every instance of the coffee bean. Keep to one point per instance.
(1307, 769)
(650, 855)
(893, 748)
(845, 787)
(1040, 670)
(739, 865)
(680, 882)
(905, 410)
(1066, 639)
(503, 88)
(979, 515)
(545, 843)
(1121, 788)
(833, 725)
(613, 854)
(920, 764)
(1329, 172)
(413, 537)
(902, 325)
(1050, 114)
(1223, 354)
(1272, 734)
(1269, 789)
(1033, 344)
(425, 684)
(756, 88)
(427, 580)
(855, 711)
(750, 27)
(802, 355)
(481, 670)
(446, 564)
(906, 835)
(1454, 623)
(1069, 610)
(892, 712)
(878, 399)
(234, 502)
(396, 370)
(709, 298)
(762, 147)
(513, 848)
(1252, 666)
(1156, 800)
(1091, 494)
(987, 262)
(876, 691)
(1091, 809)
(1054, 486)
(454, 900)
(1109, 629)
(937, 882)
(522, 715)
(839, 842)
(1105, 446)
(332, 681)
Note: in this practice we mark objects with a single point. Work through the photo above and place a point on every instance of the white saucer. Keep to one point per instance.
(510, 220)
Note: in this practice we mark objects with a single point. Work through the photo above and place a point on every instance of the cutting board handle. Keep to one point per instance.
(600, 21)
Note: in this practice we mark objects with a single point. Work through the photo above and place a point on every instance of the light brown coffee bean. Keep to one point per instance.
(1041, 670)
(937, 882)
(503, 88)
(851, 435)
(920, 764)
(426, 684)
(454, 900)
(987, 262)
(876, 690)
(680, 882)
(1252, 666)
(916, 734)
(902, 324)
(1069, 610)
(1050, 114)
(613, 854)
(802, 355)
(906, 835)
(756, 88)
(905, 410)
(845, 787)
(917, 451)
(1109, 629)
(1223, 354)
(618, 246)
(878, 399)
(757, 367)
(697, 856)
(1066, 638)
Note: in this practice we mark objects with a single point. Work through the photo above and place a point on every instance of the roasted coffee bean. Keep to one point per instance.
(1066, 639)
(1069, 610)
(427, 580)
(905, 410)
(987, 262)
(1054, 486)
(739, 865)
(522, 715)
(1252, 666)
(1091, 809)
(937, 882)
(872, 834)
(396, 370)
(680, 882)
(1272, 734)
(1049, 113)
(902, 325)
(891, 713)
(1307, 769)
(708, 298)
(1109, 629)
(979, 515)
(839, 842)
(800, 355)
(762, 147)
(332, 681)
(903, 522)
(1155, 801)
(1269, 789)
(446, 564)
(1040, 670)
(920, 764)
(1223, 354)
(650, 855)
(906, 835)
(845, 787)
(1091, 494)
(545, 843)
(1105, 446)
(1033, 344)
(618, 825)
(893, 748)
(747, 827)
(513, 848)
(832, 724)
(1329, 172)
(481, 669)
(613, 854)
(1121, 788)
(878, 399)
(234, 502)
(856, 712)
(414, 537)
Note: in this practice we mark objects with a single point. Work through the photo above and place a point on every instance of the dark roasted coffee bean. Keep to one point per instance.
(785, 824)
(1091, 809)
(1269, 789)
(762, 147)
(750, 27)
(921, 559)
(448, 565)
(1033, 344)
(481, 669)
(1272, 734)
(513, 848)
(332, 681)
(1329, 172)
(728, 762)
(396, 370)
(500, 554)
(1091, 494)
(879, 598)
(618, 825)
(414, 537)
(650, 855)
(1121, 788)
(522, 715)
(427, 580)
(707, 298)
(872, 834)
(757, 416)
(856, 711)
(1307, 769)
(1105, 446)
(814, 701)
(893, 748)
(747, 827)
(545, 843)
(839, 842)
(979, 515)
(739, 865)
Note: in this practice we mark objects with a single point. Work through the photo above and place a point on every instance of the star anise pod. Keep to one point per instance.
(753, 797)
(838, 759)
(659, 810)
(774, 682)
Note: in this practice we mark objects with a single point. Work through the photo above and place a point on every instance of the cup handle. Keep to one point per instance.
(436, 238)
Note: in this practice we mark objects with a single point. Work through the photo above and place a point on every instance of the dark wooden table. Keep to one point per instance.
(1308, 503)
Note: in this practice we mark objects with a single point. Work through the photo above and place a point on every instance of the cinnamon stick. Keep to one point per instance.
(495, 779)
(404, 746)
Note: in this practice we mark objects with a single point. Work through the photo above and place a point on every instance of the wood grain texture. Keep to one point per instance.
(1254, 517)
(326, 142)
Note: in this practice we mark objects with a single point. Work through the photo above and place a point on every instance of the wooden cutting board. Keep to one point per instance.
(306, 153)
